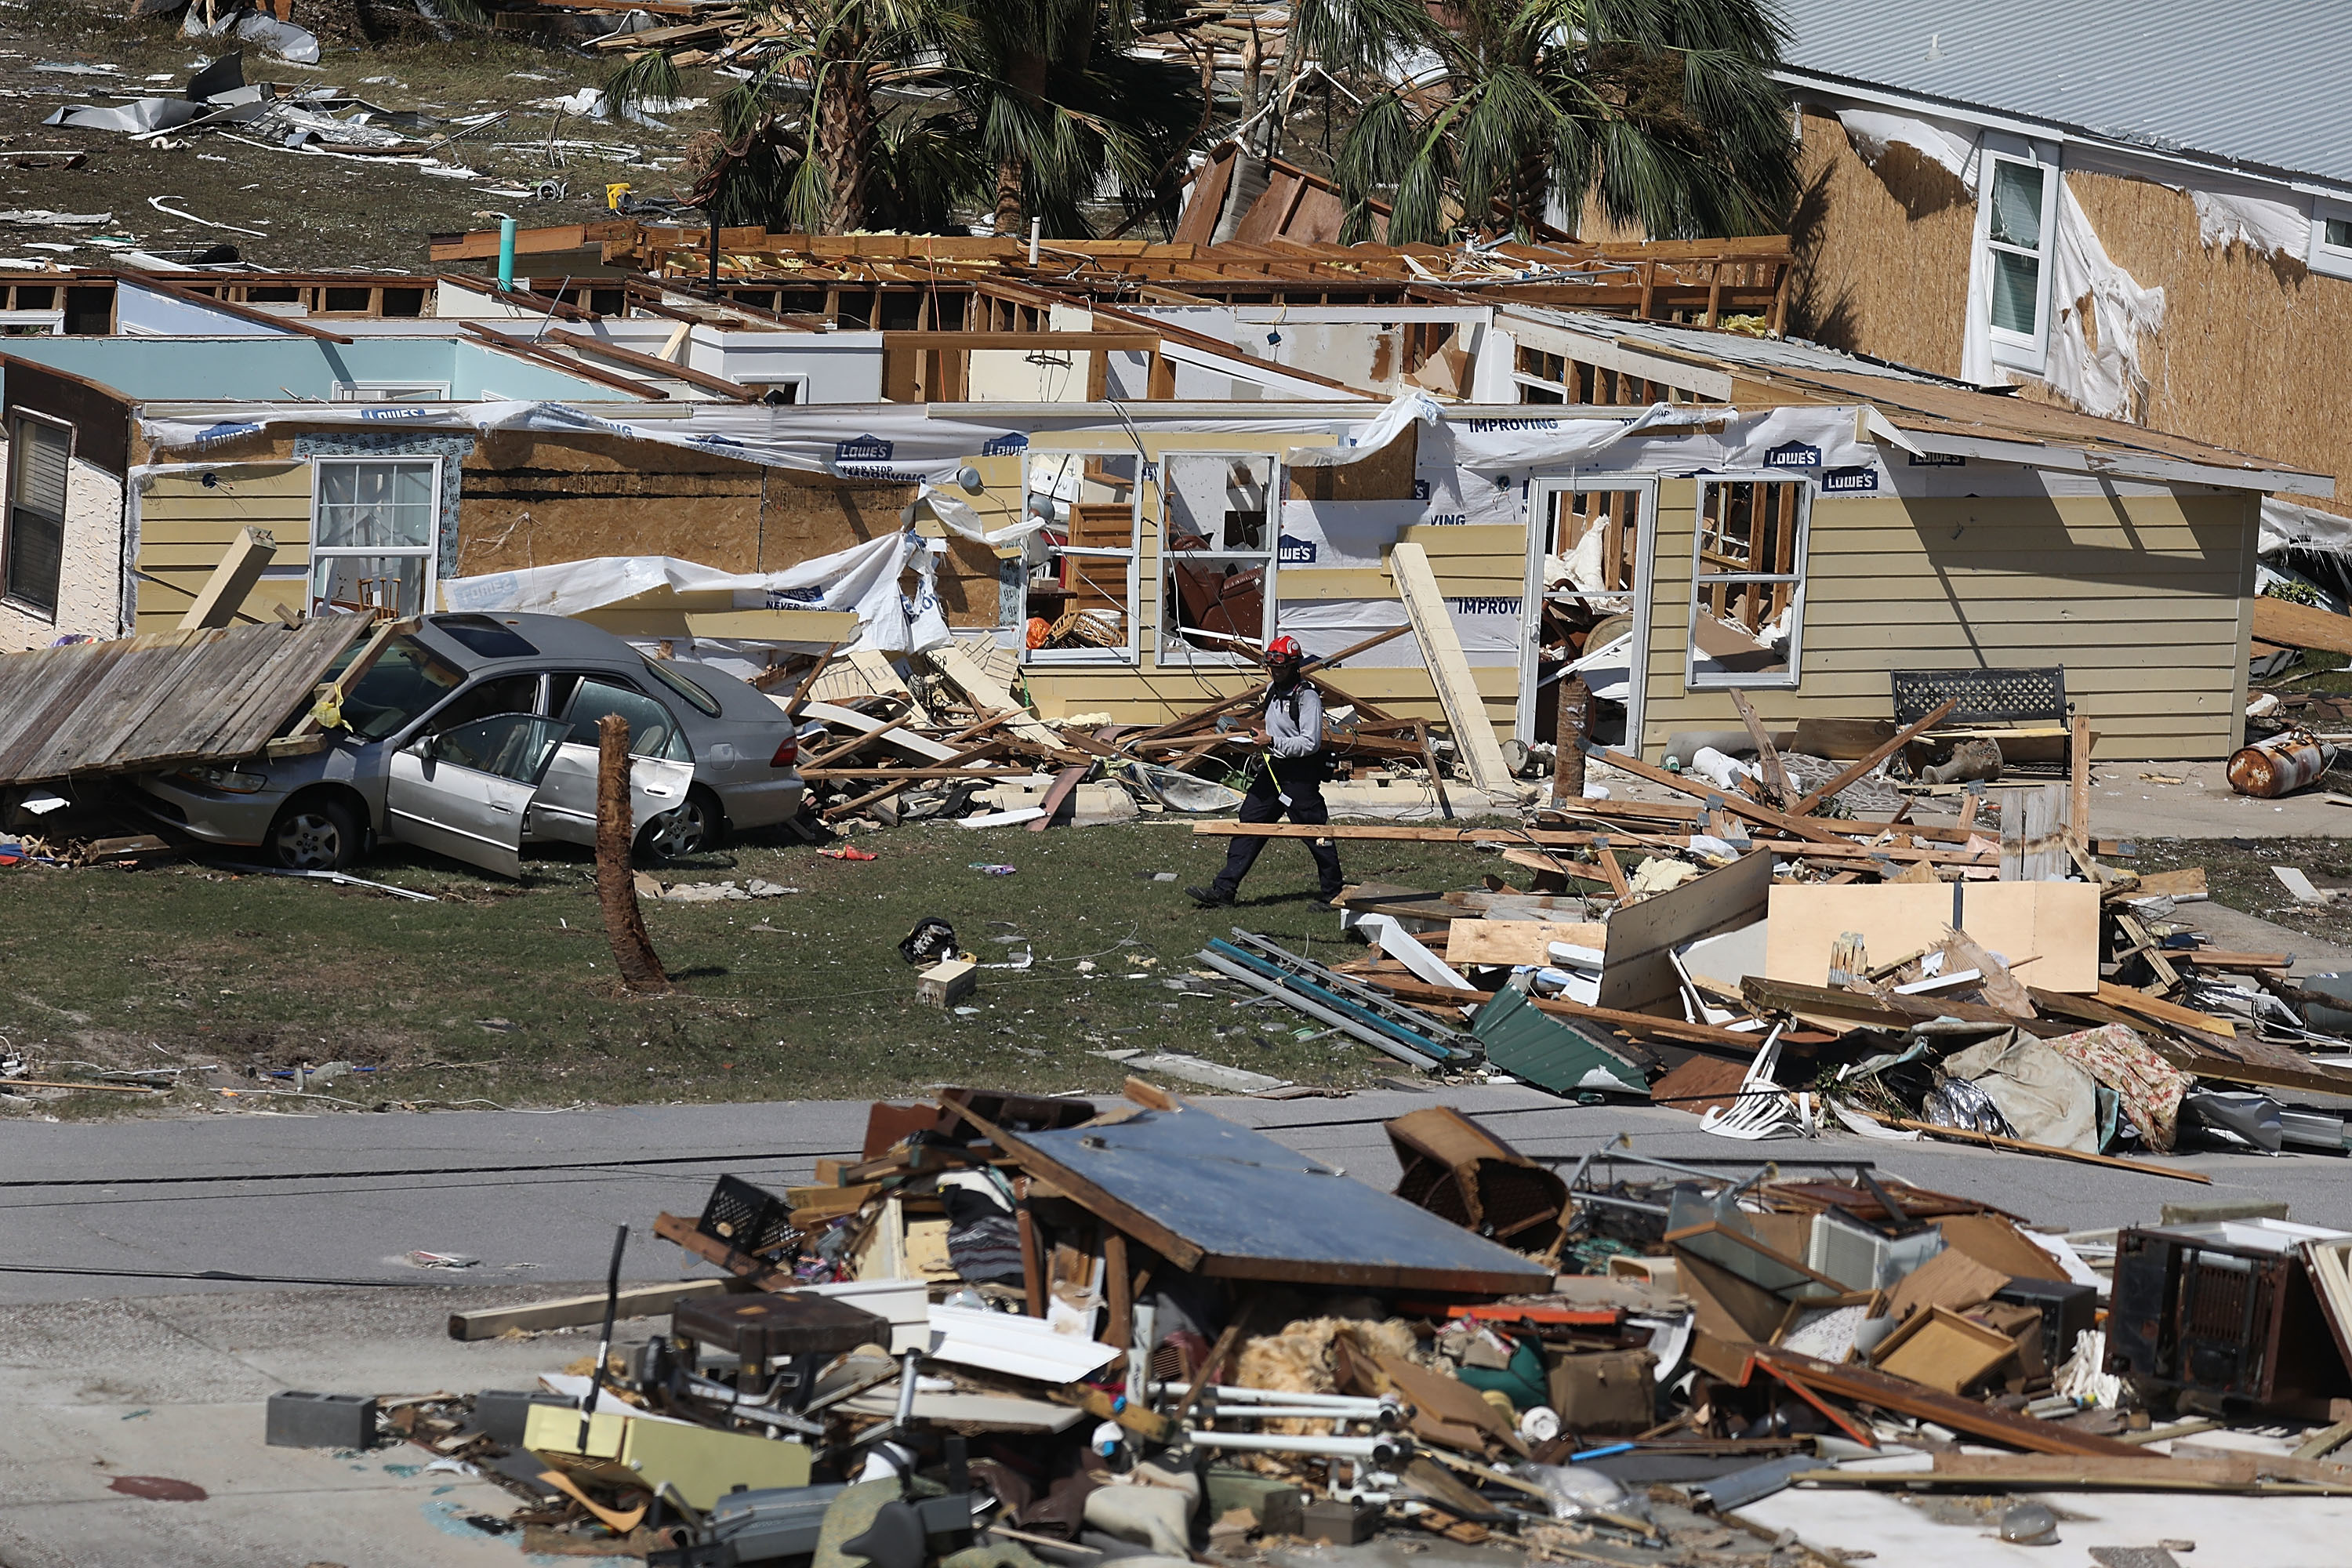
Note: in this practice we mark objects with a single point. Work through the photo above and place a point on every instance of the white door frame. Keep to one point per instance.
(1540, 492)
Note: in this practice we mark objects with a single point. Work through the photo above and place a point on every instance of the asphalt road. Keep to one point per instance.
(239, 1202)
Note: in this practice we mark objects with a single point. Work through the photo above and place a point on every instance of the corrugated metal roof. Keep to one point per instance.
(2261, 81)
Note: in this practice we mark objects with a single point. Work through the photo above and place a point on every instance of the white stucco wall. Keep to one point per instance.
(89, 575)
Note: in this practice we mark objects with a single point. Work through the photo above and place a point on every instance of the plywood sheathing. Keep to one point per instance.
(1881, 264)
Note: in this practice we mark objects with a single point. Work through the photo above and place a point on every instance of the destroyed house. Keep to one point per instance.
(2142, 211)
(1678, 513)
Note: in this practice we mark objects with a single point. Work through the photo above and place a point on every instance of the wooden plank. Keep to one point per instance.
(987, 695)
(1776, 776)
(2078, 795)
(60, 701)
(1457, 690)
(579, 1311)
(1805, 805)
(2291, 625)
(1488, 942)
(1862, 1386)
(1991, 1141)
(1064, 785)
(2056, 922)
(141, 673)
(2125, 999)
(216, 602)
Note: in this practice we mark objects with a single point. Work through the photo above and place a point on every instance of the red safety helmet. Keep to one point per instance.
(1284, 650)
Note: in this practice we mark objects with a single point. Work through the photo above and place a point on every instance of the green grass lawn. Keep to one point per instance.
(506, 993)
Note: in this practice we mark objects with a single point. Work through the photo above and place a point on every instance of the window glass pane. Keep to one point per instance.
(2016, 291)
(653, 732)
(512, 747)
(2017, 204)
(37, 520)
(2337, 232)
(508, 694)
(390, 583)
(375, 505)
(406, 679)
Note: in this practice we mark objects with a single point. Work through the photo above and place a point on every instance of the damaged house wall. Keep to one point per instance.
(2239, 347)
(1986, 565)
(88, 600)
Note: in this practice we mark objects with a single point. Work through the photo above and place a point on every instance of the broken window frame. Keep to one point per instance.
(1171, 649)
(1703, 577)
(25, 594)
(429, 553)
(2326, 255)
(1546, 495)
(2027, 351)
(1105, 566)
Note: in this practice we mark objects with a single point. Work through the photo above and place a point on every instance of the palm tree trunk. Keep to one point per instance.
(1024, 76)
(845, 140)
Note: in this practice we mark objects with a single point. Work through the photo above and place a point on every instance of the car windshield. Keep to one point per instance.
(406, 679)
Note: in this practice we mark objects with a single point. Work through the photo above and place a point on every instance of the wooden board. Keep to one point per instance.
(2301, 625)
(1640, 975)
(2057, 920)
(580, 1312)
(985, 693)
(1458, 689)
(1483, 941)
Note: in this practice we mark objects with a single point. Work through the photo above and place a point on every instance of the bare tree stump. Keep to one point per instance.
(616, 887)
(1575, 724)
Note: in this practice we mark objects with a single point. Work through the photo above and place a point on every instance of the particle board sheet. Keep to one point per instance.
(1495, 941)
(161, 699)
(2055, 923)
(1225, 1200)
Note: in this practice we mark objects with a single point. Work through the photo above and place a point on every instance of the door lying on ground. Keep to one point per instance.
(463, 792)
(661, 766)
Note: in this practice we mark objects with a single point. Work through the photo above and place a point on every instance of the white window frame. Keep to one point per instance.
(1541, 498)
(10, 419)
(1126, 653)
(2334, 260)
(429, 552)
(395, 390)
(1172, 650)
(1806, 490)
(2028, 352)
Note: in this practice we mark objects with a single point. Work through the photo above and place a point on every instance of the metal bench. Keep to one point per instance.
(2024, 711)
(2032, 697)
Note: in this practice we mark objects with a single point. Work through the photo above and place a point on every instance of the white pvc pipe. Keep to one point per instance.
(1385, 1451)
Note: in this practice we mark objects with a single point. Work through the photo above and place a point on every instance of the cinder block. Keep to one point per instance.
(302, 1420)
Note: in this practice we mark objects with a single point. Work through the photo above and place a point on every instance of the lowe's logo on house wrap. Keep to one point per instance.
(1421, 489)
(213, 435)
(783, 598)
(393, 412)
(863, 449)
(1849, 481)
(1006, 446)
(1793, 455)
(1485, 607)
(1938, 460)
(1296, 552)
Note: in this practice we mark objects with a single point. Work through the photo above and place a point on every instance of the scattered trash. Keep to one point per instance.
(847, 852)
(994, 870)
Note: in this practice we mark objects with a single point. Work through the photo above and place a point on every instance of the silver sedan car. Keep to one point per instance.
(475, 735)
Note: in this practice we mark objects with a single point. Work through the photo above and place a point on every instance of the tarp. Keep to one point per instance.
(865, 578)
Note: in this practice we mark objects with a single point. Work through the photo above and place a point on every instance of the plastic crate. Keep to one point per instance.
(747, 1218)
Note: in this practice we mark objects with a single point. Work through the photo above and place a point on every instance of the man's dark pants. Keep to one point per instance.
(1302, 781)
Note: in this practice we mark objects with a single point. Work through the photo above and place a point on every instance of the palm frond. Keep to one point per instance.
(647, 77)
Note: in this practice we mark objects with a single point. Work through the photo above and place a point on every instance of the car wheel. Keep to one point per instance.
(315, 835)
(693, 828)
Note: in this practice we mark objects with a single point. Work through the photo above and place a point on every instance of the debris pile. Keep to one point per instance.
(1023, 1330)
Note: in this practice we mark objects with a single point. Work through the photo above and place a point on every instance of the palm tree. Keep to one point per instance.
(1663, 111)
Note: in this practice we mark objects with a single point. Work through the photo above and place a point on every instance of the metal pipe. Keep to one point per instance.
(905, 1412)
(1385, 1451)
(1224, 1395)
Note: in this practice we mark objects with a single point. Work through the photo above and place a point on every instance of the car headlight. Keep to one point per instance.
(229, 781)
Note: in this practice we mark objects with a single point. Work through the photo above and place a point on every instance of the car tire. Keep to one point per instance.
(315, 835)
(695, 827)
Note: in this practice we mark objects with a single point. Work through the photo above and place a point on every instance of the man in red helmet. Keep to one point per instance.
(1287, 775)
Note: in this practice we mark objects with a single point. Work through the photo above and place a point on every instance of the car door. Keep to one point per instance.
(463, 792)
(661, 766)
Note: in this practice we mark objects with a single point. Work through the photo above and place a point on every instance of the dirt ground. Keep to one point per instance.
(312, 210)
